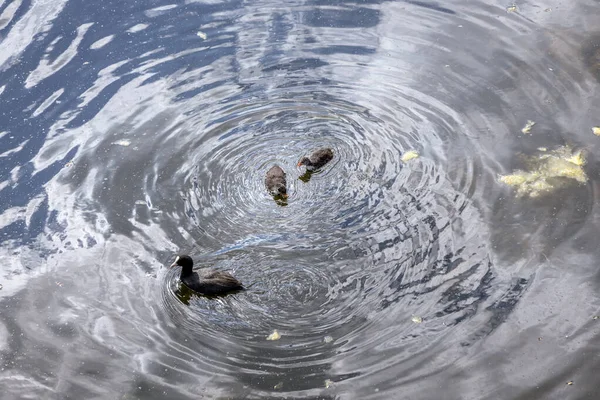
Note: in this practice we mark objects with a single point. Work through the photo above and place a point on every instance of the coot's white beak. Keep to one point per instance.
(174, 263)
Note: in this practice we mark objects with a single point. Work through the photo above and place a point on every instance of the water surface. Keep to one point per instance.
(133, 131)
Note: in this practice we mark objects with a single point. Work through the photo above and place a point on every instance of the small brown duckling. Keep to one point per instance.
(206, 281)
(275, 182)
(317, 159)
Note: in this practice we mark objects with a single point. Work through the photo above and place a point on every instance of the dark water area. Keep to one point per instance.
(134, 131)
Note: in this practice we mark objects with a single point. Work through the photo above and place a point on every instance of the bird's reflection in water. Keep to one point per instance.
(184, 294)
(281, 200)
(306, 176)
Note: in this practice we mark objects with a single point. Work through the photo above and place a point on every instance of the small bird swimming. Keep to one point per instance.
(275, 181)
(206, 281)
(317, 159)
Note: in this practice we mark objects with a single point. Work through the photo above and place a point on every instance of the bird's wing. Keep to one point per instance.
(219, 277)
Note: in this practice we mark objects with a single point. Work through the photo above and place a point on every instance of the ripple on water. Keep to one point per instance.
(369, 240)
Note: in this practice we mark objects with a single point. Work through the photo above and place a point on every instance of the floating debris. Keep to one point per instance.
(328, 383)
(69, 164)
(512, 8)
(527, 128)
(1, 286)
(570, 383)
(122, 142)
(274, 336)
(278, 386)
(327, 339)
(542, 148)
(539, 339)
(409, 155)
(577, 159)
(594, 317)
(514, 180)
(547, 171)
(202, 35)
(596, 130)
(416, 319)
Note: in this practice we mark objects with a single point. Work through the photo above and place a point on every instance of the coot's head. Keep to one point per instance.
(184, 261)
(304, 161)
(281, 191)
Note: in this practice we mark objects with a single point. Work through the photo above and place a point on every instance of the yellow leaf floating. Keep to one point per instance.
(547, 171)
(515, 179)
(274, 336)
(527, 128)
(576, 159)
(596, 130)
(416, 319)
(409, 155)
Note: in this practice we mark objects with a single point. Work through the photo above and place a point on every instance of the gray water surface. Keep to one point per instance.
(131, 131)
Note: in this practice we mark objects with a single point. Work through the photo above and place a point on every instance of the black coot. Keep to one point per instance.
(206, 281)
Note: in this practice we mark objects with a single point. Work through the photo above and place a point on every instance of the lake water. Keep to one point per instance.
(133, 131)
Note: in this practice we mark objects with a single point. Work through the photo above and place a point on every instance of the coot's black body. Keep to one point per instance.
(317, 159)
(206, 281)
(275, 181)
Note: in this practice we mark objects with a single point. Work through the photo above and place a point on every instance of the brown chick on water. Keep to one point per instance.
(275, 182)
(317, 159)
